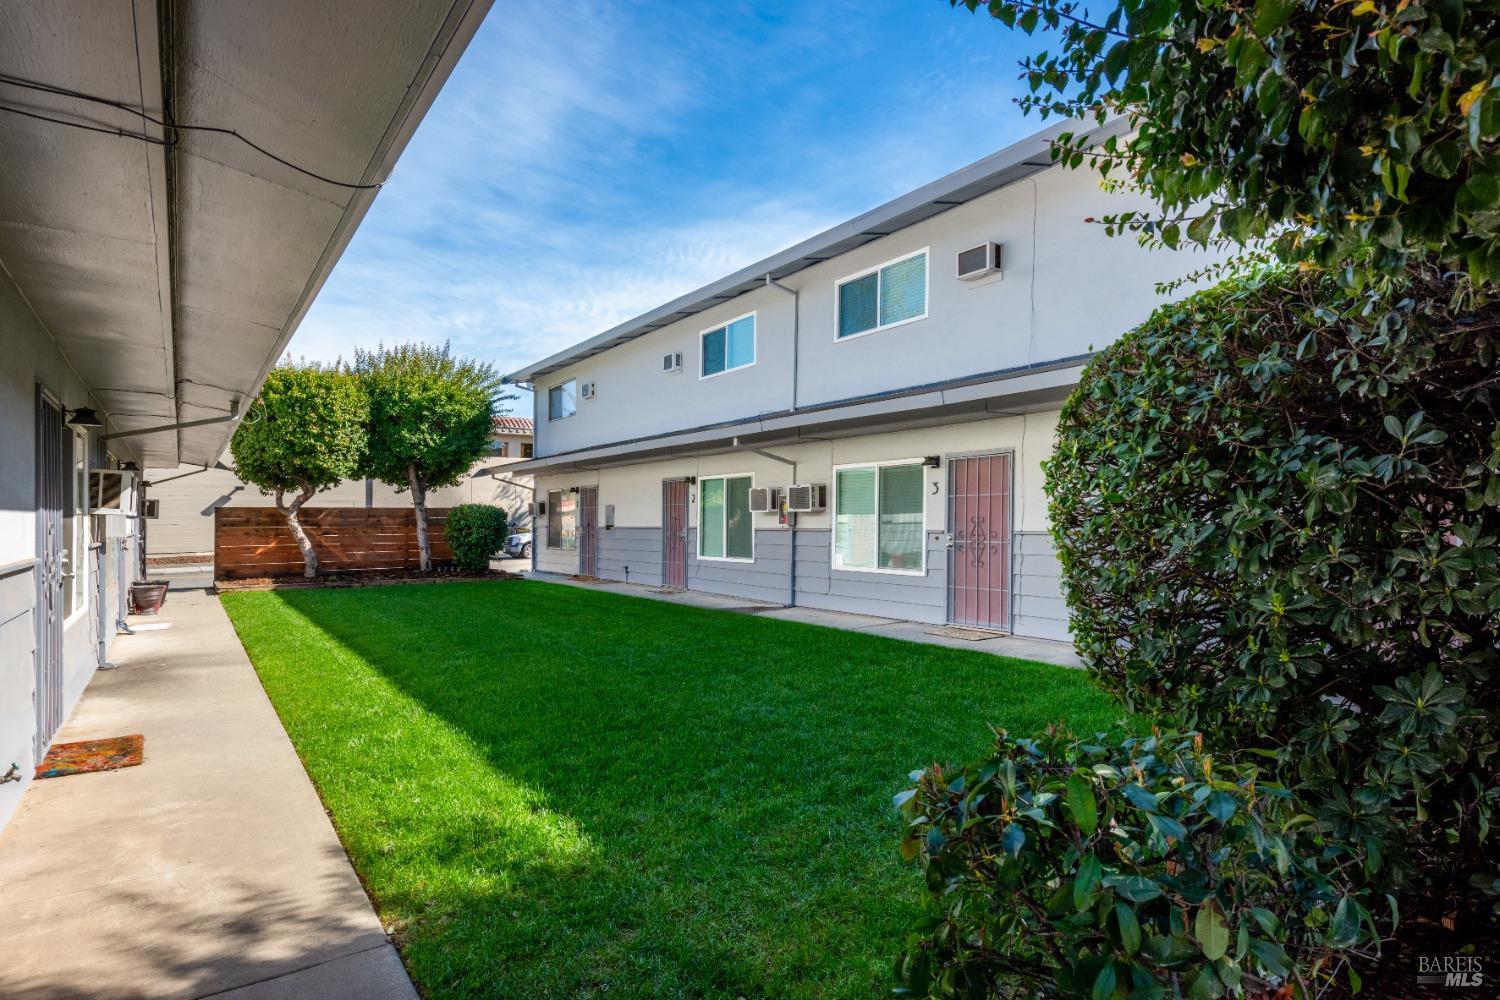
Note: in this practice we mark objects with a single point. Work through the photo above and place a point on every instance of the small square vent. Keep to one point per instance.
(977, 262)
(671, 364)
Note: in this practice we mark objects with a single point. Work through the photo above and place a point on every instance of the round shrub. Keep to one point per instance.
(1144, 867)
(475, 532)
(1277, 510)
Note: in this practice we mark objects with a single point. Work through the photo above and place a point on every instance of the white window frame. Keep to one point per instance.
(754, 340)
(833, 542)
(550, 418)
(554, 507)
(698, 503)
(926, 295)
(79, 565)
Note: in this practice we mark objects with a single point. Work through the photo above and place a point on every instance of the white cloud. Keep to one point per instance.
(573, 172)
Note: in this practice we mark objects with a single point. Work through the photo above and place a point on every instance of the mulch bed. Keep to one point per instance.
(374, 578)
(183, 559)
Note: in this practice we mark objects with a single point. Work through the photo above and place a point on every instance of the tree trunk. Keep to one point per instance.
(292, 514)
(419, 504)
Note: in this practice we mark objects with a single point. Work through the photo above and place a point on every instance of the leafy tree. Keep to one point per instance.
(1279, 523)
(431, 418)
(1317, 126)
(304, 433)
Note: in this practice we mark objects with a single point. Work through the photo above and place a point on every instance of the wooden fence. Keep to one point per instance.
(255, 541)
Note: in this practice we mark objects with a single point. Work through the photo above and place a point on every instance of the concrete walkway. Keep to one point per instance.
(209, 870)
(1042, 650)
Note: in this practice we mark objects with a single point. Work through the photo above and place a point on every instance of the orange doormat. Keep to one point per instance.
(92, 755)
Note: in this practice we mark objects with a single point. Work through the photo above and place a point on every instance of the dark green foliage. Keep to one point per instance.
(305, 432)
(429, 412)
(1345, 122)
(1278, 523)
(1146, 867)
(475, 532)
(431, 416)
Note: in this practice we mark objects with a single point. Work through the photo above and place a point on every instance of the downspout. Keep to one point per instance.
(791, 524)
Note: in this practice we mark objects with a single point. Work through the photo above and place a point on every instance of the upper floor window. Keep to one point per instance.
(730, 346)
(562, 400)
(895, 292)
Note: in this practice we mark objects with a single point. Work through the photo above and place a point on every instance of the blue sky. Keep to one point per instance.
(588, 161)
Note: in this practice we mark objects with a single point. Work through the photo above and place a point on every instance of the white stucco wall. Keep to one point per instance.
(633, 548)
(30, 358)
(1066, 288)
(635, 490)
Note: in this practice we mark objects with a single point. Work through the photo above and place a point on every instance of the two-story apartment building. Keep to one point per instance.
(905, 369)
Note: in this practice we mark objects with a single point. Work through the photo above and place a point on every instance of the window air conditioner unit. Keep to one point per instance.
(804, 498)
(586, 390)
(976, 262)
(112, 492)
(765, 499)
(539, 508)
(671, 364)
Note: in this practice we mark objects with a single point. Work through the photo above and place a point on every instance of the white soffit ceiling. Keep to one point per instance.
(172, 272)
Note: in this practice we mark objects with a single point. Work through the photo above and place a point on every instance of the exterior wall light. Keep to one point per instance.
(84, 417)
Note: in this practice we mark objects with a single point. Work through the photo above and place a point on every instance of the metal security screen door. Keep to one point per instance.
(50, 471)
(979, 513)
(588, 531)
(674, 522)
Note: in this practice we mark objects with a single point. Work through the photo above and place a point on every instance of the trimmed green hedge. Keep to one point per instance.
(1277, 511)
(1102, 868)
(475, 532)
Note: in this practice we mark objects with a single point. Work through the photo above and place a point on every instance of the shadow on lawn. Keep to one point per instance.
(732, 776)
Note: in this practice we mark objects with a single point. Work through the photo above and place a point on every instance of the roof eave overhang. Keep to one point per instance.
(463, 21)
(981, 397)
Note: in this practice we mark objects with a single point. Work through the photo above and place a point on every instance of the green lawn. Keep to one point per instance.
(553, 791)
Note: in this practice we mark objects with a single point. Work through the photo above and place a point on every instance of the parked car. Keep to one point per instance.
(518, 546)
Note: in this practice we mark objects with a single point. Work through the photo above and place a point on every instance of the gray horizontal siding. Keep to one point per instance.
(1040, 609)
(631, 554)
(917, 598)
(765, 579)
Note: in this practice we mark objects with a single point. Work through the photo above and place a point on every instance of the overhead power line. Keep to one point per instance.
(171, 126)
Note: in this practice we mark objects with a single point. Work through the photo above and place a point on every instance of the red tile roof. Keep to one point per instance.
(514, 425)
